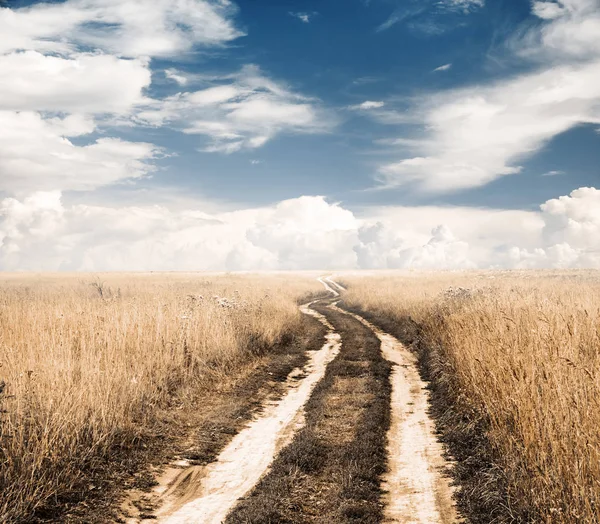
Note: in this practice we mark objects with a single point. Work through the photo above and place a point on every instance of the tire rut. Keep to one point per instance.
(350, 441)
(416, 485)
(205, 494)
(331, 472)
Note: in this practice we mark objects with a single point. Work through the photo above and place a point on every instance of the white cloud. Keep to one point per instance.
(573, 219)
(444, 67)
(570, 234)
(480, 133)
(368, 104)
(40, 232)
(123, 27)
(570, 32)
(243, 111)
(548, 10)
(85, 83)
(554, 173)
(303, 16)
(88, 61)
(176, 76)
(35, 154)
(380, 247)
(307, 233)
(464, 5)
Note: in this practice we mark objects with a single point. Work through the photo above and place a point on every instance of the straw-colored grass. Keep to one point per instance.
(521, 350)
(86, 361)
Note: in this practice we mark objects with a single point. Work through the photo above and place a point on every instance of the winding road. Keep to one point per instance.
(415, 487)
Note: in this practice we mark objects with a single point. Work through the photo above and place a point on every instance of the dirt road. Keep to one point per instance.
(416, 488)
(350, 440)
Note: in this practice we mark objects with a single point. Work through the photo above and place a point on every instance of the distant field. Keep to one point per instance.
(88, 362)
(514, 359)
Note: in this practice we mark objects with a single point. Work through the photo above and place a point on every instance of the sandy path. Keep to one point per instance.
(417, 489)
(333, 283)
(201, 495)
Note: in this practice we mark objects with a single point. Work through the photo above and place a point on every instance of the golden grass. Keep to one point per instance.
(87, 360)
(523, 349)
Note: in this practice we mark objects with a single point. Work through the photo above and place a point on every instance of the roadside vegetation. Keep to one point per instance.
(514, 364)
(91, 366)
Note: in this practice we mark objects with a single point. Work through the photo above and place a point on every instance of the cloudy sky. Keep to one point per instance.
(288, 134)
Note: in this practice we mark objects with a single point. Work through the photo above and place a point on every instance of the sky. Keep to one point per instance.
(286, 135)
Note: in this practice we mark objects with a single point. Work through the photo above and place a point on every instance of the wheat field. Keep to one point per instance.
(86, 360)
(521, 351)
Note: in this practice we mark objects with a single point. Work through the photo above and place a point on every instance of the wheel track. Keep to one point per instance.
(206, 494)
(415, 487)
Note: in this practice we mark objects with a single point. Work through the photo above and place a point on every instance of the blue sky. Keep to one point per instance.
(414, 117)
(343, 58)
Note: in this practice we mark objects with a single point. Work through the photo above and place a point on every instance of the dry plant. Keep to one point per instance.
(520, 350)
(85, 362)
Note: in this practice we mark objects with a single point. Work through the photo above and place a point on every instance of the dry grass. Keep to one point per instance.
(86, 362)
(519, 351)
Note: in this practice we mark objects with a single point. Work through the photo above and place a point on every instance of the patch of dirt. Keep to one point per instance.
(481, 494)
(331, 471)
(416, 484)
(207, 494)
(193, 429)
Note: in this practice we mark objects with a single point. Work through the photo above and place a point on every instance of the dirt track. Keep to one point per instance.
(360, 401)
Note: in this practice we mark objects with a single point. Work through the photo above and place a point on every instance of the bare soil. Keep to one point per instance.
(332, 470)
(417, 484)
(194, 428)
(206, 494)
(480, 486)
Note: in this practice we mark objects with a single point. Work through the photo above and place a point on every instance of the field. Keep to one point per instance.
(517, 357)
(88, 363)
(131, 393)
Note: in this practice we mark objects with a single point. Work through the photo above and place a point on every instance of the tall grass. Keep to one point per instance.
(520, 350)
(86, 361)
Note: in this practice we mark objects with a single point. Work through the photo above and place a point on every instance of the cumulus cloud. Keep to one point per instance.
(82, 83)
(547, 10)
(570, 234)
(480, 133)
(307, 233)
(73, 68)
(380, 247)
(240, 111)
(69, 69)
(41, 232)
